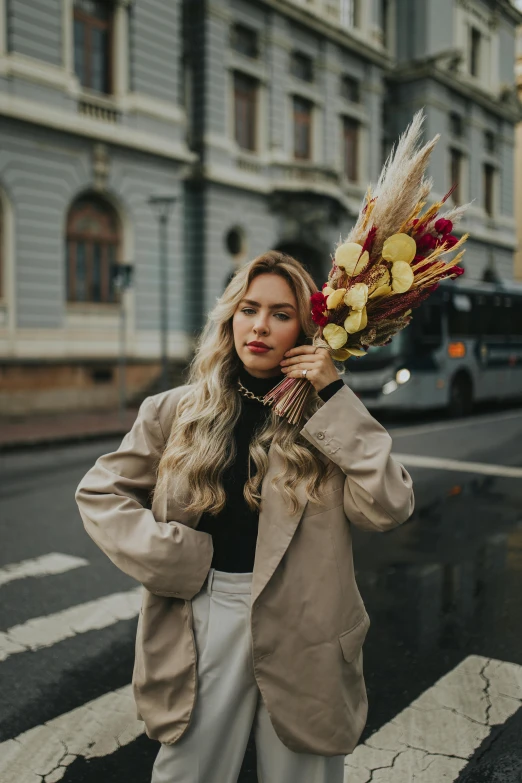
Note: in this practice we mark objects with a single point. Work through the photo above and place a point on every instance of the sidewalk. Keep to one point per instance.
(59, 428)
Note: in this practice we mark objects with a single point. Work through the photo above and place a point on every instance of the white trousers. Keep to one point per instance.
(228, 702)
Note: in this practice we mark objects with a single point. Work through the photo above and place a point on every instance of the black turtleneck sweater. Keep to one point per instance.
(234, 530)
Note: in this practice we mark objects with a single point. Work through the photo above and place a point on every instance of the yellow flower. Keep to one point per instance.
(327, 290)
(402, 277)
(344, 353)
(356, 321)
(399, 247)
(383, 290)
(335, 298)
(357, 296)
(347, 257)
(384, 279)
(335, 335)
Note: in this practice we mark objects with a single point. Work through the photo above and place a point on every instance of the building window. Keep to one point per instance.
(456, 124)
(93, 25)
(93, 249)
(302, 128)
(245, 111)
(351, 148)
(235, 241)
(302, 67)
(489, 186)
(456, 158)
(475, 51)
(351, 89)
(489, 141)
(244, 40)
(385, 23)
(351, 13)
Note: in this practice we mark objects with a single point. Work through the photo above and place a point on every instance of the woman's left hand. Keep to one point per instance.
(318, 362)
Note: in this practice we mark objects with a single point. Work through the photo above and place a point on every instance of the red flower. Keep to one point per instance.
(443, 226)
(318, 300)
(427, 241)
(450, 241)
(424, 267)
(319, 318)
(456, 270)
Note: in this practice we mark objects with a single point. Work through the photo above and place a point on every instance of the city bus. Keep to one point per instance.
(463, 345)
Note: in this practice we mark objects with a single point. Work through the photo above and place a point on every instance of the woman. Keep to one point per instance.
(251, 616)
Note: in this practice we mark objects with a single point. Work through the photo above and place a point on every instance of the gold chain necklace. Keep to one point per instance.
(247, 393)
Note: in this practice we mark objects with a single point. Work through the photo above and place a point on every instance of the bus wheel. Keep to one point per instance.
(461, 397)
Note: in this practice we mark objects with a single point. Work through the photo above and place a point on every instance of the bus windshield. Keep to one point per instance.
(393, 349)
(379, 356)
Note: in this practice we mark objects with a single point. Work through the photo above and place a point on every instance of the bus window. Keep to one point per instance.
(499, 325)
(462, 316)
(499, 314)
(485, 314)
(505, 316)
(516, 318)
(426, 324)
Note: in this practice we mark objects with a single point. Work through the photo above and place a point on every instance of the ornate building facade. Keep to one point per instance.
(264, 120)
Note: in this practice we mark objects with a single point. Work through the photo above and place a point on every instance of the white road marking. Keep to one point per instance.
(441, 463)
(469, 421)
(53, 563)
(432, 740)
(45, 631)
(428, 742)
(98, 728)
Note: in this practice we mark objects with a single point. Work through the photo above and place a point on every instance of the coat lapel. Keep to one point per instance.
(276, 528)
(277, 524)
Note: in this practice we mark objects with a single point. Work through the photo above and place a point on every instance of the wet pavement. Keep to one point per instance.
(443, 591)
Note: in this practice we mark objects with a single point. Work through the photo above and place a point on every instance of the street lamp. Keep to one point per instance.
(122, 279)
(162, 206)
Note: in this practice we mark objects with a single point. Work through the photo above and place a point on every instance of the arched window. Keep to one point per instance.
(93, 249)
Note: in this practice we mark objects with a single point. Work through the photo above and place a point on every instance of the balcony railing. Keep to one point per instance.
(98, 108)
(339, 12)
(306, 173)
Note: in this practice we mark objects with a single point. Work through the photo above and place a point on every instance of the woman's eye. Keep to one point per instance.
(249, 310)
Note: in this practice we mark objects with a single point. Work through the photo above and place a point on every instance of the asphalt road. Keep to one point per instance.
(442, 660)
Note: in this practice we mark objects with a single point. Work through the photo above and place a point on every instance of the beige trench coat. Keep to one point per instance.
(308, 619)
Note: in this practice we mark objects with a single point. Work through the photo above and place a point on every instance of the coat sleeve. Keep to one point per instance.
(378, 492)
(168, 558)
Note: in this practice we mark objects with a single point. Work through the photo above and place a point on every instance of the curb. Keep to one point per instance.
(60, 440)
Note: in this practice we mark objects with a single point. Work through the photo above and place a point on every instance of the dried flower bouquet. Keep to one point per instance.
(392, 260)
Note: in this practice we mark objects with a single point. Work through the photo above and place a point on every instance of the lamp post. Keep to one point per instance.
(122, 278)
(162, 206)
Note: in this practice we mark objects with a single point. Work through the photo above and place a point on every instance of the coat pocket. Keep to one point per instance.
(352, 640)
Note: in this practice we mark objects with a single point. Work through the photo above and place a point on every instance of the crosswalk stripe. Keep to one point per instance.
(92, 615)
(441, 463)
(429, 741)
(433, 739)
(97, 728)
(52, 563)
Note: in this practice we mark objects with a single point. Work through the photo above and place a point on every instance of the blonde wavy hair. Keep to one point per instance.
(200, 445)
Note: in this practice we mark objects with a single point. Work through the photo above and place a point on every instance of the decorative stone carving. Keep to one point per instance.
(100, 166)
